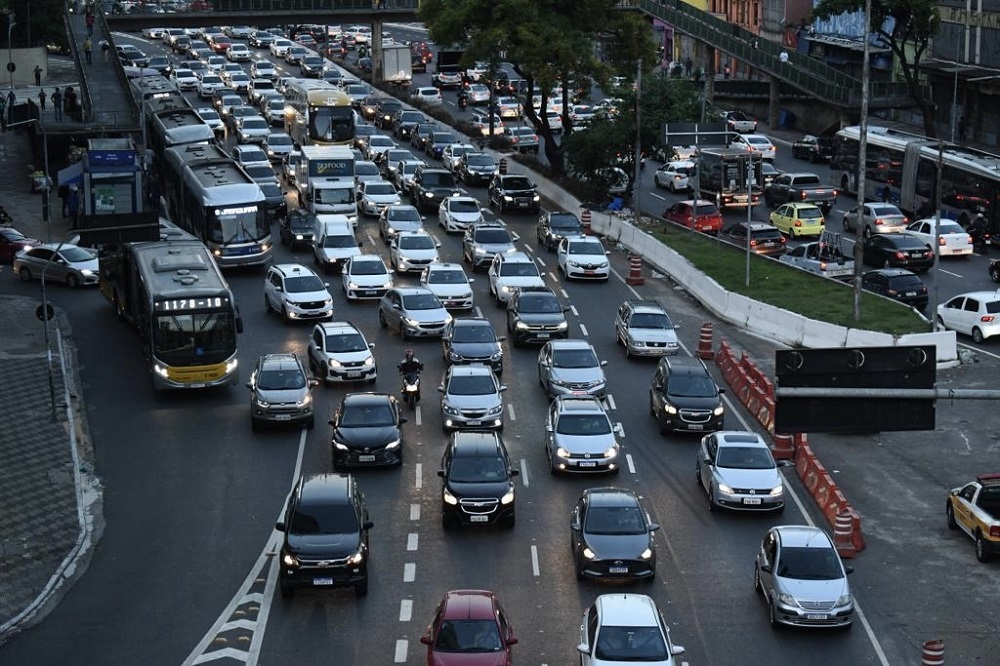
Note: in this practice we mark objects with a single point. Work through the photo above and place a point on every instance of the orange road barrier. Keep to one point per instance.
(705, 351)
(933, 653)
(635, 270)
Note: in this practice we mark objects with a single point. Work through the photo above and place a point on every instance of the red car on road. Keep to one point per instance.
(700, 215)
(13, 241)
(470, 628)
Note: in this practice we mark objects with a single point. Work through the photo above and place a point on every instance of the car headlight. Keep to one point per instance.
(454, 356)
(563, 325)
(603, 264)
(589, 554)
(787, 599)
(521, 326)
(508, 497)
(304, 401)
(334, 363)
(231, 366)
(778, 490)
(340, 446)
(161, 370)
(369, 362)
(412, 323)
(263, 403)
(611, 452)
(638, 343)
(494, 410)
(844, 600)
(507, 197)
(505, 289)
(669, 409)
(562, 453)
(558, 382)
(387, 284)
(574, 264)
(448, 409)
(646, 554)
(289, 560)
(87, 271)
(358, 557)
(480, 251)
(429, 195)
(448, 497)
(723, 488)
(352, 285)
(394, 444)
(719, 411)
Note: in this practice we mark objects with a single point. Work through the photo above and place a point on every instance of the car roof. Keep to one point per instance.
(325, 489)
(645, 306)
(802, 536)
(515, 257)
(412, 291)
(610, 496)
(574, 403)
(470, 370)
(279, 361)
(292, 269)
(446, 266)
(569, 344)
(627, 610)
(740, 438)
(362, 399)
(471, 321)
(684, 365)
(474, 443)
(891, 272)
(979, 295)
(334, 327)
(469, 605)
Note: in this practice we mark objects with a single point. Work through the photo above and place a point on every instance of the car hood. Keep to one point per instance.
(351, 357)
(465, 218)
(593, 444)
(519, 193)
(89, 264)
(383, 198)
(405, 226)
(653, 334)
(281, 395)
(481, 168)
(495, 248)
(749, 478)
(371, 280)
(332, 546)
(692, 402)
(450, 290)
(814, 590)
(488, 401)
(475, 349)
(340, 252)
(577, 375)
(547, 318)
(615, 546)
(518, 281)
(484, 489)
(307, 296)
(427, 316)
(443, 192)
(366, 437)
(469, 659)
(588, 258)
(418, 254)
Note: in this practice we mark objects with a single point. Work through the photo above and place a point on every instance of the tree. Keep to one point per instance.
(914, 22)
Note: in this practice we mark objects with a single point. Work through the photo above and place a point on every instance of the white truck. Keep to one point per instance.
(824, 257)
(325, 181)
(397, 64)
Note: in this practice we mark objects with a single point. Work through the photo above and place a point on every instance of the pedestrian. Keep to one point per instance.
(90, 23)
(69, 102)
(63, 196)
(73, 207)
(88, 48)
(57, 104)
(726, 71)
(105, 48)
(687, 66)
(11, 101)
(3, 113)
(38, 75)
(755, 43)
(41, 98)
(784, 56)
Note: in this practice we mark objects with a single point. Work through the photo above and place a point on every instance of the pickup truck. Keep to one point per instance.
(975, 509)
(800, 188)
(821, 257)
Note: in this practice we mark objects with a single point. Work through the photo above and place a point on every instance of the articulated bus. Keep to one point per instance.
(172, 292)
(177, 127)
(318, 112)
(902, 169)
(211, 197)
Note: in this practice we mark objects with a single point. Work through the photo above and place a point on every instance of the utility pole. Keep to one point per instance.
(10, 49)
(637, 166)
(862, 159)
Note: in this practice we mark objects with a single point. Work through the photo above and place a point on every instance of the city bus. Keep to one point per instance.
(902, 168)
(177, 127)
(146, 88)
(211, 197)
(173, 294)
(318, 112)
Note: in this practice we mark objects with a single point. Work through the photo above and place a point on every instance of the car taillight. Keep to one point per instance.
(968, 240)
(753, 242)
(987, 318)
(906, 220)
(901, 255)
(802, 195)
(942, 242)
(891, 292)
(822, 265)
(836, 193)
(783, 240)
(797, 223)
(877, 221)
(995, 531)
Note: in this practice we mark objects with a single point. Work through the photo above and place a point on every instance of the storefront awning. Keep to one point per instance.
(71, 175)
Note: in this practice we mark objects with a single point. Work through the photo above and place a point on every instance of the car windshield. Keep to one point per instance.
(951, 229)
(279, 140)
(615, 520)
(468, 636)
(345, 342)
(255, 123)
(368, 268)
(324, 519)
(517, 183)
(906, 283)
(803, 563)
(479, 333)
(463, 206)
(379, 189)
(340, 241)
(493, 236)
(477, 470)
(885, 210)
(690, 386)
(304, 283)
(280, 380)
(744, 457)
(367, 416)
(574, 358)
(254, 155)
(76, 254)
(420, 242)
(434, 179)
(703, 209)
(472, 385)
(403, 214)
(518, 269)
(684, 170)
(421, 302)
(583, 424)
(271, 190)
(540, 303)
(651, 320)
(479, 160)
(585, 247)
(367, 169)
(565, 222)
(622, 644)
(758, 140)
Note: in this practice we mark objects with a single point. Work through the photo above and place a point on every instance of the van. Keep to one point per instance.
(334, 242)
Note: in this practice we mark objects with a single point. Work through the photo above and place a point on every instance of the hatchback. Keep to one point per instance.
(675, 176)
(579, 436)
(901, 250)
(473, 340)
(799, 219)
(764, 239)
(583, 258)
(975, 313)
(683, 396)
(413, 311)
(365, 276)
(428, 95)
(471, 397)
(471, 623)
(625, 629)
(700, 215)
(556, 225)
(457, 213)
(897, 283)
(612, 536)
(737, 471)
(450, 284)
(280, 392)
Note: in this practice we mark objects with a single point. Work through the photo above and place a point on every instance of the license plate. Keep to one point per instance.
(475, 423)
(479, 519)
(283, 417)
(366, 458)
(816, 616)
(751, 500)
(353, 375)
(543, 336)
(696, 426)
(588, 463)
(199, 385)
(370, 292)
(588, 272)
(322, 581)
(911, 293)
(618, 570)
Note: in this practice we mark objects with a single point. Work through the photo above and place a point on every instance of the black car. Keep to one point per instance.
(367, 431)
(387, 108)
(897, 283)
(326, 528)
(684, 397)
(311, 66)
(765, 239)
(556, 225)
(478, 486)
(513, 192)
(404, 122)
(421, 134)
(535, 314)
(436, 142)
(476, 168)
(274, 199)
(813, 148)
(297, 228)
(612, 536)
(901, 250)
(473, 341)
(431, 186)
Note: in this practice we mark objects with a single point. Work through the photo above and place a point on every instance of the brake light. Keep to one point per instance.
(987, 318)
(753, 242)
(968, 240)
(822, 265)
(836, 193)
(891, 292)
(906, 220)
(877, 222)
(942, 242)
(802, 195)
(995, 531)
(901, 255)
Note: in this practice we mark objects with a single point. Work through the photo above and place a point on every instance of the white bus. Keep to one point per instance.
(318, 112)
(177, 127)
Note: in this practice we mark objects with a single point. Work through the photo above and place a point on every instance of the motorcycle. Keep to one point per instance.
(463, 101)
(411, 388)
(980, 240)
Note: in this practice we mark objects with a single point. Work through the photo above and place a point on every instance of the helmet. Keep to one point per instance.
(408, 354)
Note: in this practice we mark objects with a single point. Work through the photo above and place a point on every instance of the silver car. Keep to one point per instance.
(878, 218)
(644, 328)
(571, 367)
(802, 579)
(471, 398)
(280, 392)
(579, 436)
(71, 264)
(413, 311)
(737, 471)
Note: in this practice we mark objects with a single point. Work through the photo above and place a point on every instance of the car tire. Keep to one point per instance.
(887, 264)
(267, 304)
(711, 501)
(756, 580)
(254, 425)
(772, 616)
(977, 335)
(949, 513)
(981, 554)
(311, 423)
(24, 274)
(847, 226)
(286, 588)
(447, 522)
(768, 199)
(511, 521)
(284, 314)
(72, 281)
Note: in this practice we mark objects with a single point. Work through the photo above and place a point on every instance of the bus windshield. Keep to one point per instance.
(199, 338)
(331, 124)
(239, 224)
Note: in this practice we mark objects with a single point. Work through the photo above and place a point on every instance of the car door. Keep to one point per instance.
(317, 345)
(767, 557)
(494, 274)
(969, 316)
(656, 391)
(951, 313)
(394, 309)
(550, 427)
(577, 520)
(706, 460)
(588, 635)
(272, 288)
(963, 508)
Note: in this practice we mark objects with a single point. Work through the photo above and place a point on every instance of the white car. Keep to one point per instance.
(375, 195)
(509, 107)
(263, 69)
(212, 119)
(428, 95)
(365, 276)
(404, 173)
(675, 176)
(153, 33)
(453, 153)
(251, 156)
(450, 284)
(757, 144)
(274, 111)
(238, 53)
(625, 629)
(184, 79)
(478, 93)
(480, 121)
(252, 129)
(239, 82)
(278, 146)
(208, 84)
(976, 313)
(554, 119)
(456, 214)
(216, 63)
(295, 292)
(412, 251)
(581, 114)
(338, 352)
(376, 145)
(584, 258)
(259, 88)
(510, 271)
(279, 47)
(953, 240)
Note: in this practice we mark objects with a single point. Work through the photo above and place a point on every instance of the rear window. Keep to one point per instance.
(993, 307)
(906, 283)
(885, 210)
(807, 180)
(810, 213)
(767, 234)
(706, 209)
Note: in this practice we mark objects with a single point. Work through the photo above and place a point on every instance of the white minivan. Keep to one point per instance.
(334, 242)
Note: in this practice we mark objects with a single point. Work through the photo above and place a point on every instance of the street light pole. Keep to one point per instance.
(862, 159)
(10, 49)
(637, 165)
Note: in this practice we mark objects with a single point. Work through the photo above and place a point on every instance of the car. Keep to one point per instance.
(475, 168)
(239, 31)
(405, 120)
(365, 170)
(357, 92)
(279, 47)
(229, 69)
(224, 100)
(813, 148)
(554, 120)
(683, 396)
(280, 392)
(239, 82)
(396, 219)
(70, 264)
(413, 311)
(296, 292)
(738, 121)
(756, 144)
(388, 161)
(250, 155)
(644, 328)
(13, 241)
(802, 579)
(699, 215)
(404, 173)
(254, 129)
(877, 218)
(274, 198)
(334, 242)
(579, 436)
(212, 118)
(260, 39)
(611, 536)
(420, 134)
(216, 63)
(901, 250)
(412, 251)
(477, 479)
(258, 88)
(974, 508)
(263, 69)
(798, 219)
(431, 186)
(483, 240)
(274, 110)
(897, 283)
(510, 271)
(554, 226)
(471, 623)
(471, 397)
(478, 93)
(473, 341)
(367, 431)
(950, 238)
(132, 55)
(535, 314)
(375, 195)
(450, 284)
(289, 165)
(571, 367)
(625, 629)
(764, 239)
(737, 471)
(238, 53)
(522, 138)
(325, 535)
(583, 258)
(235, 113)
(295, 54)
(453, 153)
(365, 276)
(278, 146)
(458, 213)
(581, 114)
(161, 64)
(376, 145)
(437, 142)
(338, 352)
(297, 228)
(509, 107)
(311, 66)
(426, 95)
(385, 110)
(768, 172)
(675, 176)
(153, 33)
(513, 192)
(208, 84)
(974, 313)
(482, 121)
(184, 79)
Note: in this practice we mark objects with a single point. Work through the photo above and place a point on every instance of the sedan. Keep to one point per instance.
(471, 397)
(413, 311)
(737, 471)
(757, 144)
(579, 436)
(472, 623)
(877, 218)
(374, 196)
(478, 93)
(555, 226)
(13, 241)
(263, 69)
(450, 284)
(208, 84)
(951, 239)
(279, 47)
(252, 129)
(612, 536)
(976, 313)
(700, 215)
(571, 367)
(897, 251)
(454, 153)
(897, 283)
(365, 276)
(397, 219)
(583, 258)
(480, 122)
(73, 265)
(675, 176)
(412, 251)
(427, 95)
(799, 219)
(184, 79)
(456, 214)
(471, 341)
(278, 146)
(251, 156)
(764, 239)
(376, 145)
(367, 431)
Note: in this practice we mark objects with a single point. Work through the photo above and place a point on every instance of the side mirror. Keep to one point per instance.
(249, 385)
(548, 428)
(367, 525)
(721, 390)
(603, 363)
(426, 639)
(441, 388)
(515, 472)
(403, 419)
(848, 570)
(313, 382)
(471, 280)
(677, 650)
(501, 338)
(512, 641)
(331, 422)
(371, 345)
(566, 308)
(280, 526)
(503, 387)
(441, 473)
(582, 648)
(766, 568)
(575, 526)
(707, 461)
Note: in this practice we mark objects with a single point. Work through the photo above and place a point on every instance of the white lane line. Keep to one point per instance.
(611, 401)
(572, 309)
(631, 463)
(409, 572)
(979, 350)
(414, 512)
(418, 481)
(949, 273)
(412, 539)
(510, 410)
(534, 562)
(418, 415)
(479, 313)
(658, 196)
(371, 239)
(563, 292)
(540, 260)
(406, 610)
(583, 330)
(627, 285)
(402, 647)
(620, 429)
(524, 473)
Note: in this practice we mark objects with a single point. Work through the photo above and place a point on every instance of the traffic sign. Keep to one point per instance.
(11, 67)
(45, 312)
(696, 134)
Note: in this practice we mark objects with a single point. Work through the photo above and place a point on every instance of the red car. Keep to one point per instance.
(221, 44)
(470, 628)
(13, 241)
(699, 215)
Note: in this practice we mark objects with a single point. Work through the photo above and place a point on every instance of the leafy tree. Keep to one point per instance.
(915, 22)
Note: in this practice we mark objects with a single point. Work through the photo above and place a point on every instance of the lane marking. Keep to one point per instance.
(418, 482)
(414, 512)
(611, 401)
(534, 562)
(402, 647)
(540, 261)
(405, 610)
(631, 463)
(572, 309)
(620, 429)
(409, 572)
(418, 415)
(584, 331)
(940, 270)
(479, 313)
(563, 292)
(524, 473)
(412, 539)
(510, 410)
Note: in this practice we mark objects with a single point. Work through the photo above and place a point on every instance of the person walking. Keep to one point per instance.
(105, 48)
(38, 75)
(11, 101)
(90, 23)
(73, 207)
(783, 57)
(3, 113)
(726, 71)
(88, 48)
(687, 66)
(41, 99)
(57, 104)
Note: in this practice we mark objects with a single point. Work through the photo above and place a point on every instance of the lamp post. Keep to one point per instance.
(10, 48)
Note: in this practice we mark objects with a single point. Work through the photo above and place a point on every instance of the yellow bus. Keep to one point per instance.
(318, 113)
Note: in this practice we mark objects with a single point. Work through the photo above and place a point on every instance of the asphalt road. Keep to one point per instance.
(191, 496)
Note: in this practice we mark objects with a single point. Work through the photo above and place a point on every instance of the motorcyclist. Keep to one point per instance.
(977, 229)
(410, 365)
(463, 99)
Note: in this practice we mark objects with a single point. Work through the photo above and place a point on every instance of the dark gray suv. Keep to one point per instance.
(685, 397)
(280, 392)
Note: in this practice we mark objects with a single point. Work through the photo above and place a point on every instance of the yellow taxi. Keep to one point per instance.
(799, 219)
(975, 509)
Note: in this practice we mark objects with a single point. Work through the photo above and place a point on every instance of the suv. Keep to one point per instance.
(765, 239)
(644, 329)
(471, 398)
(385, 111)
(484, 240)
(737, 471)
(683, 396)
(280, 392)
(295, 292)
(367, 431)
(297, 228)
(326, 528)
(556, 225)
(477, 478)
(509, 191)
(431, 186)
(626, 628)
(510, 271)
(579, 436)
(338, 352)
(473, 340)
(535, 314)
(405, 120)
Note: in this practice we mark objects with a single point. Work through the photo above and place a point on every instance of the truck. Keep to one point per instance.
(325, 181)
(975, 509)
(729, 177)
(397, 64)
(800, 188)
(448, 72)
(824, 257)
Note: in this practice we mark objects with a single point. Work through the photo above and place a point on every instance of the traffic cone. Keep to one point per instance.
(933, 653)
(635, 270)
(843, 534)
(705, 350)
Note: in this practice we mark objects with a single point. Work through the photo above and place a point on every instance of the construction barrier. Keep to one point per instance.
(933, 653)
(635, 270)
(784, 447)
(843, 534)
(503, 166)
(586, 221)
(705, 351)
